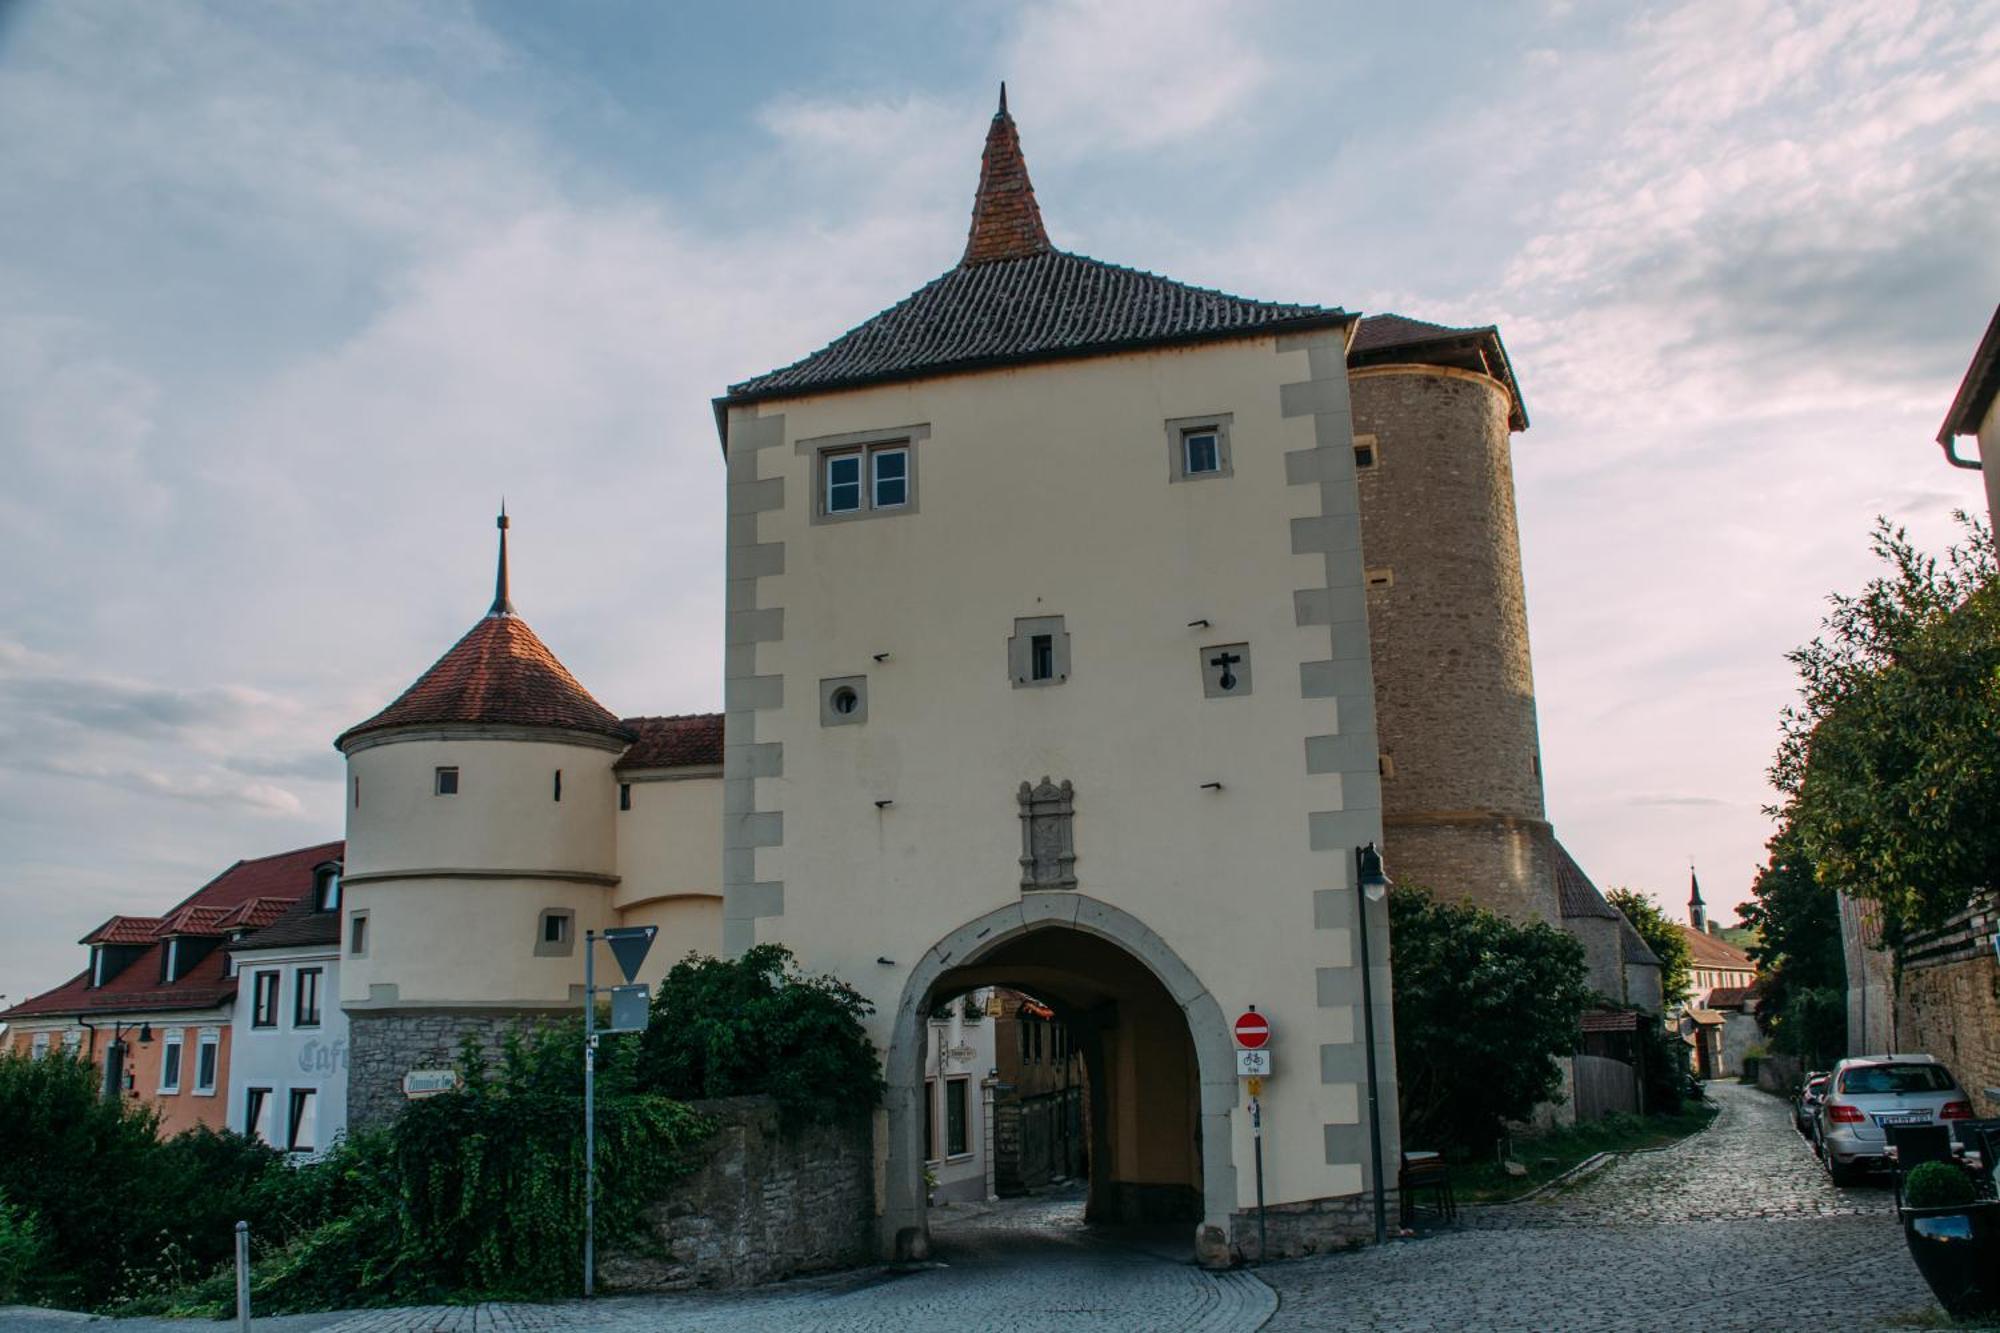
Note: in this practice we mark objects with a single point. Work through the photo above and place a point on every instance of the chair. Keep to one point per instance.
(1910, 1146)
(1426, 1173)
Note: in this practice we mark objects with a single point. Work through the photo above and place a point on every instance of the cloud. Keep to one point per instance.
(193, 788)
(1690, 802)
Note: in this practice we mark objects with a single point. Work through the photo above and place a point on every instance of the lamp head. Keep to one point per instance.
(145, 1034)
(1368, 871)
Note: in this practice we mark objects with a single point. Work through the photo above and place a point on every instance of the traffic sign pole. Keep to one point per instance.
(1253, 1030)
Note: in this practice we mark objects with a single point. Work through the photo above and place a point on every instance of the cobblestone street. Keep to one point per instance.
(1736, 1228)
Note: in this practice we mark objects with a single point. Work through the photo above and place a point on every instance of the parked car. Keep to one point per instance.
(1805, 1110)
(1866, 1094)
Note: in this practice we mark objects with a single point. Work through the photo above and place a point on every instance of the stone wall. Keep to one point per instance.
(384, 1046)
(1949, 1004)
(1503, 864)
(766, 1203)
(1319, 1226)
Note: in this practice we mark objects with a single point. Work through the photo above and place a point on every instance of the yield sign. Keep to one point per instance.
(1252, 1030)
(629, 945)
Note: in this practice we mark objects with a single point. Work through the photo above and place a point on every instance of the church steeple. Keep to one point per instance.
(502, 605)
(1006, 220)
(1697, 909)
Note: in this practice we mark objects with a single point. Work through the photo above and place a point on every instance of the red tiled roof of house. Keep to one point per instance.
(256, 913)
(685, 740)
(1611, 1020)
(1714, 952)
(1574, 891)
(1729, 997)
(300, 923)
(194, 919)
(499, 673)
(137, 987)
(124, 930)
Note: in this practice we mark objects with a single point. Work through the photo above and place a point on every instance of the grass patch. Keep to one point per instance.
(1549, 1155)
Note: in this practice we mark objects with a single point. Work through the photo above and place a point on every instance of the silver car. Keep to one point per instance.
(1867, 1094)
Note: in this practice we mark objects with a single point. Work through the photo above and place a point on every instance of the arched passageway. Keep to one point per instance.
(1151, 1042)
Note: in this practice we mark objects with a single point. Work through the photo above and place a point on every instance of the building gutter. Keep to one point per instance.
(1949, 444)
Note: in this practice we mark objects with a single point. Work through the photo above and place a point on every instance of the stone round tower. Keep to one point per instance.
(480, 848)
(1434, 412)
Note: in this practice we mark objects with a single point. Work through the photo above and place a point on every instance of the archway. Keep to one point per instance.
(1157, 1050)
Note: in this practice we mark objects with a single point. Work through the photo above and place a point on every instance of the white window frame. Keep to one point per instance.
(207, 1041)
(964, 1087)
(1181, 430)
(38, 1048)
(302, 1108)
(437, 780)
(319, 997)
(257, 979)
(176, 1044)
(866, 450)
(257, 1114)
(72, 1042)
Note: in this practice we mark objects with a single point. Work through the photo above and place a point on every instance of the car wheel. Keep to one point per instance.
(1841, 1176)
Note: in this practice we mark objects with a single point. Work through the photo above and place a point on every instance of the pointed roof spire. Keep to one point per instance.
(502, 606)
(1694, 887)
(1006, 220)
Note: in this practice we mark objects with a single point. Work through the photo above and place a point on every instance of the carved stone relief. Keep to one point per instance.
(1048, 849)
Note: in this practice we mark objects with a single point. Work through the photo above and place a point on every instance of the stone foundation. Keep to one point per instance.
(1316, 1226)
(767, 1203)
(385, 1045)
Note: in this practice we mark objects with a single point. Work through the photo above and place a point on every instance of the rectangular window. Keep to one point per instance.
(957, 1142)
(930, 1120)
(1204, 454)
(257, 1114)
(329, 891)
(1364, 454)
(302, 1121)
(40, 1046)
(357, 793)
(624, 796)
(843, 483)
(170, 1063)
(264, 1000)
(555, 929)
(72, 1042)
(169, 959)
(447, 782)
(892, 477)
(1042, 657)
(357, 935)
(559, 784)
(207, 1062)
(305, 998)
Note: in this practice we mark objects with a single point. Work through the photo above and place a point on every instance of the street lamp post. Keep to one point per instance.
(1371, 885)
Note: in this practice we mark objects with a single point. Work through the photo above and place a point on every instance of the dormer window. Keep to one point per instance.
(326, 889)
(170, 959)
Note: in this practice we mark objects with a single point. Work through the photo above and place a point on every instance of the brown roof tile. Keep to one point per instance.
(124, 930)
(1391, 339)
(686, 740)
(1712, 951)
(1611, 1020)
(1578, 896)
(500, 672)
(302, 923)
(1006, 220)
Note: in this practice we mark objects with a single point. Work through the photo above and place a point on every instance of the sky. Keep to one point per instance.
(291, 295)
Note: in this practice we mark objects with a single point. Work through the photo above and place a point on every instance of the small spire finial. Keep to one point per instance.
(1003, 99)
(502, 605)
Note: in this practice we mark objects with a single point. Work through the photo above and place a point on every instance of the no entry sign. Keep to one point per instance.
(1252, 1030)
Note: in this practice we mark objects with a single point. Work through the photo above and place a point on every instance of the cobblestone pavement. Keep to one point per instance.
(1735, 1228)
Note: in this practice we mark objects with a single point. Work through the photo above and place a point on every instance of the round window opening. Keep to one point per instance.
(844, 700)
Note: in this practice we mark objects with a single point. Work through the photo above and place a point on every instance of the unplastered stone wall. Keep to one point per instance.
(1448, 638)
(1321, 1226)
(382, 1047)
(767, 1202)
(1952, 1010)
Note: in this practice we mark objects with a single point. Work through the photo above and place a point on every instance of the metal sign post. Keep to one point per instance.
(1253, 1065)
(628, 948)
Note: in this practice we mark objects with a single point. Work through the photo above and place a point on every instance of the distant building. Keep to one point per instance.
(288, 1066)
(1040, 1111)
(153, 1007)
(958, 1099)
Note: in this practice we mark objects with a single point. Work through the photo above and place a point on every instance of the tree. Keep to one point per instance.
(1888, 764)
(1486, 1010)
(1663, 937)
(1802, 971)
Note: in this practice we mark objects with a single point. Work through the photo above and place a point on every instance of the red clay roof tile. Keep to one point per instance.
(685, 740)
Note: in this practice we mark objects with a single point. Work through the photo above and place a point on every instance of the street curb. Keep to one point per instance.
(1597, 1161)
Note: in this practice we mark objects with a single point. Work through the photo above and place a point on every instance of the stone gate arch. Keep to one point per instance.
(904, 1226)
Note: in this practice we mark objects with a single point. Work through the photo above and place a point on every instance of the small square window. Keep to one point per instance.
(1198, 448)
(1038, 654)
(1364, 451)
(446, 782)
(555, 933)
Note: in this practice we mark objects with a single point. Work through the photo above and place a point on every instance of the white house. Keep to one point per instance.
(288, 1074)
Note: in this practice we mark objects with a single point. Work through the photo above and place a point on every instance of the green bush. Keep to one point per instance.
(755, 1024)
(1486, 1011)
(24, 1250)
(1937, 1185)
